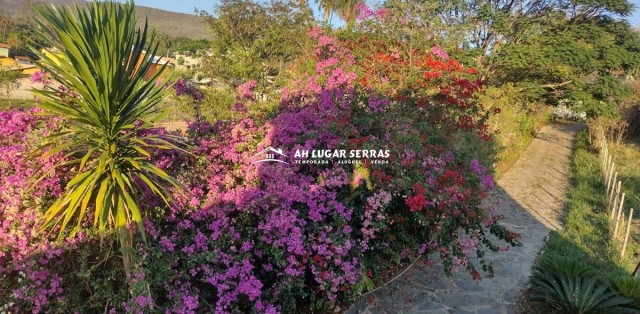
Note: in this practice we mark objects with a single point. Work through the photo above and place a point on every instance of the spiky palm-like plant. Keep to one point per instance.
(577, 294)
(102, 62)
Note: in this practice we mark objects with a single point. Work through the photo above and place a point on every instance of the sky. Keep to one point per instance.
(635, 18)
(188, 6)
(182, 6)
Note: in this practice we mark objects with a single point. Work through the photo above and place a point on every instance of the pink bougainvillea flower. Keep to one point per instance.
(439, 52)
(246, 91)
(364, 11)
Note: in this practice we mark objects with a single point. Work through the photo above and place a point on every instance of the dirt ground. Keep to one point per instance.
(24, 89)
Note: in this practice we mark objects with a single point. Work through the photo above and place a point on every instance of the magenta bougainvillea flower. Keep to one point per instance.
(267, 237)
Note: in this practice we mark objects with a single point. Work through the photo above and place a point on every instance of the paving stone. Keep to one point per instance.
(462, 311)
(431, 307)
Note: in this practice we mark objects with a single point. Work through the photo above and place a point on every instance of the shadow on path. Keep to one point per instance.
(532, 198)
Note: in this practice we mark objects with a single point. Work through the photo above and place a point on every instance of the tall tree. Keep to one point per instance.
(567, 49)
(255, 41)
(345, 9)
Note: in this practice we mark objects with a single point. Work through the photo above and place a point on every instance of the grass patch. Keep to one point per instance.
(584, 250)
(586, 234)
(587, 229)
(16, 103)
(627, 159)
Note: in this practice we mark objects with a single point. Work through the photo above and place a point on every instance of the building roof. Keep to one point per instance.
(3, 45)
(8, 62)
(23, 58)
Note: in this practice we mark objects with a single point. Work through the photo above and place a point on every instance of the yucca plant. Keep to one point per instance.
(577, 294)
(101, 61)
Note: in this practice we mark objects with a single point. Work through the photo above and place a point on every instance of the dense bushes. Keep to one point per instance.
(517, 123)
(270, 237)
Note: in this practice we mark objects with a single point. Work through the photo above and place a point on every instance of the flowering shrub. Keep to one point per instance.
(269, 236)
(20, 205)
(273, 237)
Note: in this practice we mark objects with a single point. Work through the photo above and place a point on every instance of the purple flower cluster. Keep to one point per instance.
(246, 90)
(183, 87)
(40, 77)
(24, 252)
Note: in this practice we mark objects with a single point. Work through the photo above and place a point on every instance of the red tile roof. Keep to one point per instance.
(5, 45)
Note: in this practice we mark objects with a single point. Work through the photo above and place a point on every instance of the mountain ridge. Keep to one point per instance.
(173, 24)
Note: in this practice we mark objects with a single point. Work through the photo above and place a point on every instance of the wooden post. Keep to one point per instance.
(635, 271)
(621, 229)
(620, 209)
(614, 192)
(614, 208)
(610, 176)
(626, 236)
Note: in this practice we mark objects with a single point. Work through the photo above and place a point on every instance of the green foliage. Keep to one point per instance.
(554, 263)
(517, 122)
(577, 294)
(9, 80)
(551, 50)
(20, 33)
(627, 159)
(345, 9)
(255, 41)
(627, 285)
(217, 105)
(16, 103)
(193, 45)
(578, 59)
(107, 104)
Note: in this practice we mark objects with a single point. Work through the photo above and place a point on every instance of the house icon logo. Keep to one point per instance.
(270, 154)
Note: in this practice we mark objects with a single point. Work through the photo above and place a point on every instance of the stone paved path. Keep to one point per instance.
(532, 194)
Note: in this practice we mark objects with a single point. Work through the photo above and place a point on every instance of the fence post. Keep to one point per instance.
(626, 236)
(614, 208)
(614, 197)
(610, 176)
(615, 231)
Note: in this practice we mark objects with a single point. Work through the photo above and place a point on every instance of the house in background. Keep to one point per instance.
(156, 64)
(8, 62)
(24, 60)
(4, 50)
(27, 67)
